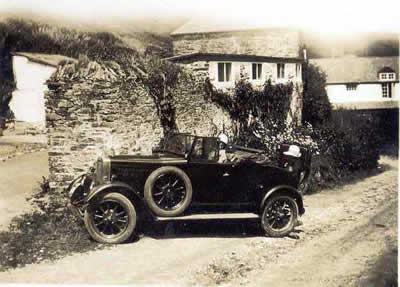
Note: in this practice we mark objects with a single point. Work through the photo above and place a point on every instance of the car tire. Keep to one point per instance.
(168, 191)
(279, 216)
(111, 219)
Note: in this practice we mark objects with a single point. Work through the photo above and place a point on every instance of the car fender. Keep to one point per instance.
(284, 188)
(110, 186)
(79, 177)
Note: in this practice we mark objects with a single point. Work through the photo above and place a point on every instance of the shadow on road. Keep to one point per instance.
(224, 228)
(205, 228)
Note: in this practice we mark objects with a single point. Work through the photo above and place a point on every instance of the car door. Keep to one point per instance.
(236, 184)
(205, 172)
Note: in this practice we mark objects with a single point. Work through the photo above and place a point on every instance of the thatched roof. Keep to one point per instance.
(352, 69)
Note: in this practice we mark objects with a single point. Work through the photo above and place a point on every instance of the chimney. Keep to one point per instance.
(305, 54)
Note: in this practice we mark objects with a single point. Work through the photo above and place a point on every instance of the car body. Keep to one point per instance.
(182, 177)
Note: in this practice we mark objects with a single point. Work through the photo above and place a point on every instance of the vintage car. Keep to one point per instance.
(184, 177)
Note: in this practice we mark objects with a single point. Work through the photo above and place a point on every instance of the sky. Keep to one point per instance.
(338, 16)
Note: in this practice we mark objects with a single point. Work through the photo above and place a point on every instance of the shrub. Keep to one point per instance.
(317, 109)
(343, 150)
(339, 147)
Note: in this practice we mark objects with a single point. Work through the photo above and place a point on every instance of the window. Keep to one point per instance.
(351, 87)
(257, 71)
(298, 71)
(387, 76)
(281, 71)
(224, 72)
(205, 149)
(387, 90)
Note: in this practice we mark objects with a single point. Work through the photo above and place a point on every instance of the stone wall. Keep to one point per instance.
(265, 42)
(90, 111)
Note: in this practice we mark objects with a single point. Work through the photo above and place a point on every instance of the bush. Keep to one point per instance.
(317, 109)
(340, 145)
(343, 151)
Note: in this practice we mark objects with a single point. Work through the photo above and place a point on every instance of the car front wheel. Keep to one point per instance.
(279, 216)
(111, 219)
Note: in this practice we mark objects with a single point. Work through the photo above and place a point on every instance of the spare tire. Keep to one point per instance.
(168, 191)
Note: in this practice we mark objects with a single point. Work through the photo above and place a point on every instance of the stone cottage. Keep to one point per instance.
(362, 83)
(226, 52)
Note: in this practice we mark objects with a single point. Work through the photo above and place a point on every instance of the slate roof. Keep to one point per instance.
(217, 25)
(44, 59)
(352, 69)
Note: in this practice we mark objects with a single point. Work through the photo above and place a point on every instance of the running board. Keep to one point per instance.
(211, 216)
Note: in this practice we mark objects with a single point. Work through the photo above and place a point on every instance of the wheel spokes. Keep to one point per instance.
(110, 218)
(278, 215)
(169, 191)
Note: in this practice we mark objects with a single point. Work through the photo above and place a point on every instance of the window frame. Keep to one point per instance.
(351, 87)
(298, 71)
(387, 90)
(256, 74)
(387, 76)
(280, 70)
(224, 72)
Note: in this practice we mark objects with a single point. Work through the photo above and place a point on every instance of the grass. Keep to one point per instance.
(48, 233)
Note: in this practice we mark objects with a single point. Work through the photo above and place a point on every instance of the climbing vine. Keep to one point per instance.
(249, 106)
(163, 80)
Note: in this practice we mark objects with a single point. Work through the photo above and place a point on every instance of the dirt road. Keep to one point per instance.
(345, 235)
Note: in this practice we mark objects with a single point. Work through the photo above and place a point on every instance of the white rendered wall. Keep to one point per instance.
(269, 71)
(363, 93)
(28, 99)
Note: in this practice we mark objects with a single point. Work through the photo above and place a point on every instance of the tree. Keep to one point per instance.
(317, 109)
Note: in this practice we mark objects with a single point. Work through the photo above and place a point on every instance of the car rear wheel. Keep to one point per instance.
(279, 216)
(168, 191)
(112, 219)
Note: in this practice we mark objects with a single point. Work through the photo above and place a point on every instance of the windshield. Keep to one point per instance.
(178, 143)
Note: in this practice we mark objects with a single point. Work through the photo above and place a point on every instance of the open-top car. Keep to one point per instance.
(185, 176)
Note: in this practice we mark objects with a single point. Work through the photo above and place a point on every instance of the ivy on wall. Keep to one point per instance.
(246, 105)
(163, 80)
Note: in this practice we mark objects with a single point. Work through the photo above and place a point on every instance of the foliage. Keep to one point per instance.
(6, 87)
(18, 35)
(344, 150)
(163, 80)
(261, 116)
(317, 109)
(247, 105)
(338, 149)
